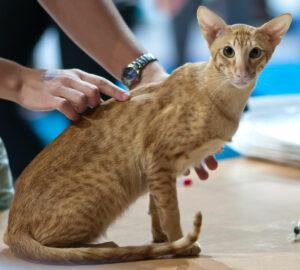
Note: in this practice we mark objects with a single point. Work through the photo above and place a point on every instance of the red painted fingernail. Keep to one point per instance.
(187, 182)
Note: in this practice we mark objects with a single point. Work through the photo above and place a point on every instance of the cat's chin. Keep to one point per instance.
(243, 86)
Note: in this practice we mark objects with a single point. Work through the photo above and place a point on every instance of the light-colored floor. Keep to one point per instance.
(248, 207)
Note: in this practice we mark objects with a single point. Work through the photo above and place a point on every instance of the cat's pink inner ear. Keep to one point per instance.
(210, 23)
(276, 28)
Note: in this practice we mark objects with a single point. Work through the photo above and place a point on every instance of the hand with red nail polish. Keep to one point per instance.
(211, 164)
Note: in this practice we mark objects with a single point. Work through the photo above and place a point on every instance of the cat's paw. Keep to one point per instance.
(194, 250)
(159, 237)
(110, 244)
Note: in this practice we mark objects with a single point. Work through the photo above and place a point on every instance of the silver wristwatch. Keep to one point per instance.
(131, 73)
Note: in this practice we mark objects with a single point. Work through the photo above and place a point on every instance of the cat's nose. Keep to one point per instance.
(241, 75)
(241, 78)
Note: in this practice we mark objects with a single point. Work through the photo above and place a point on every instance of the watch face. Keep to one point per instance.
(130, 74)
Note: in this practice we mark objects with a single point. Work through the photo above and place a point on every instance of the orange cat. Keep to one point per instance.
(86, 178)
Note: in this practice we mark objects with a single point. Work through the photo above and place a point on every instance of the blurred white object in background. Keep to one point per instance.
(278, 7)
(47, 51)
(271, 129)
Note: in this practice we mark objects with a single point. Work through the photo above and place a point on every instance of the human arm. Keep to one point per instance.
(102, 34)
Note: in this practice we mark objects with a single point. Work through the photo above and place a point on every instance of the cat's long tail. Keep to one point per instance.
(23, 245)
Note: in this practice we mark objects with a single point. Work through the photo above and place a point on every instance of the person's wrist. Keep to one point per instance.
(28, 78)
(153, 72)
(11, 81)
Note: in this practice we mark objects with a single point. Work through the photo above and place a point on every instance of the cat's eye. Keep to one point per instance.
(255, 53)
(228, 52)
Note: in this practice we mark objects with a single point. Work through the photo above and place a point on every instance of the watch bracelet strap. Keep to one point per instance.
(143, 60)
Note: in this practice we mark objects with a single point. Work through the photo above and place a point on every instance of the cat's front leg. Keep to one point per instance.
(157, 232)
(163, 191)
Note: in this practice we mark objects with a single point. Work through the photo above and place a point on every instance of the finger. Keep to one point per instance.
(78, 99)
(105, 86)
(65, 107)
(201, 172)
(90, 90)
(211, 163)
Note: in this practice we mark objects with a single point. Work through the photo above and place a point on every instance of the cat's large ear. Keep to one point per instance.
(210, 23)
(276, 28)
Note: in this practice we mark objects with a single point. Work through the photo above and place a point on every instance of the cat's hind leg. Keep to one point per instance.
(71, 222)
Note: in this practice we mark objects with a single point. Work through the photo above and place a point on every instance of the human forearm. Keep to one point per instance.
(99, 30)
(97, 27)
